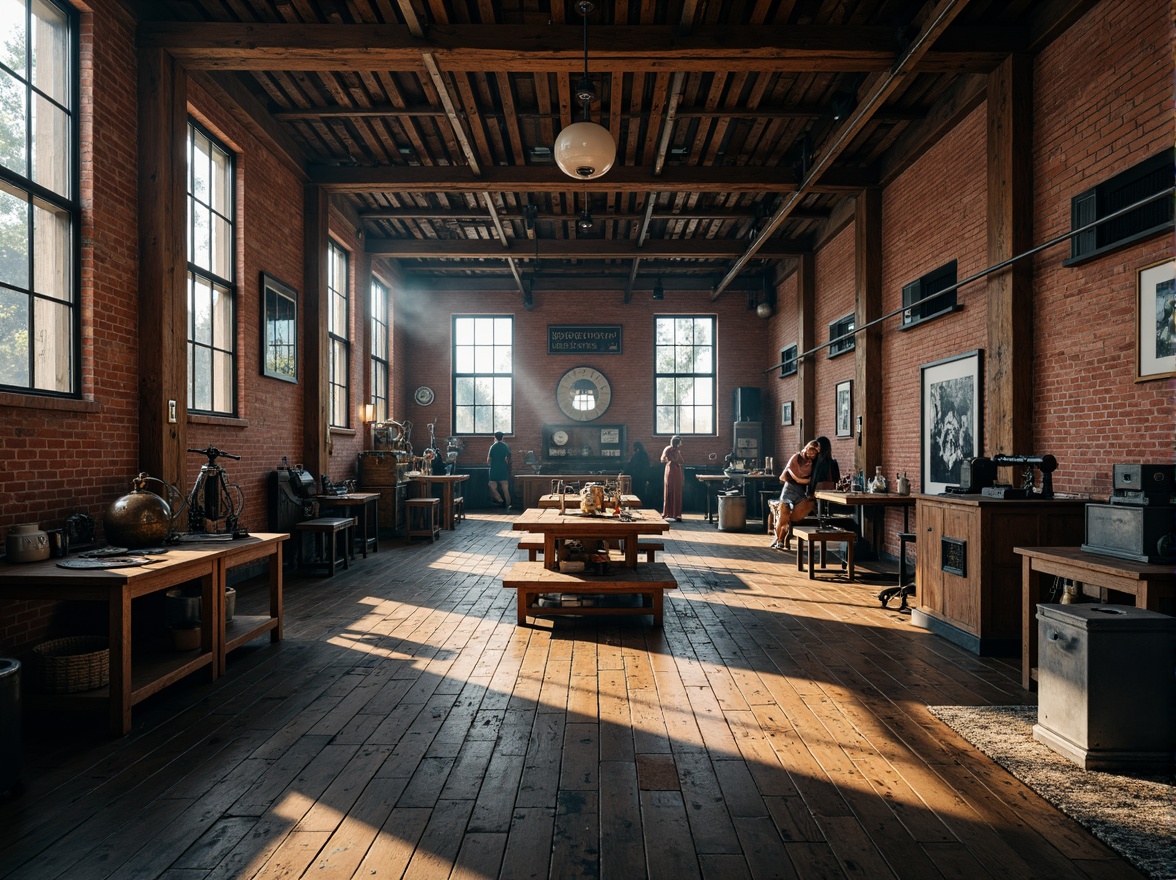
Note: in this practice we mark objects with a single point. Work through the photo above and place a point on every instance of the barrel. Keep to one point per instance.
(732, 513)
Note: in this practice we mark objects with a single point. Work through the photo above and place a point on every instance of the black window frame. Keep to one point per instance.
(381, 329)
(688, 376)
(789, 362)
(929, 296)
(70, 205)
(1149, 177)
(339, 343)
(843, 325)
(229, 285)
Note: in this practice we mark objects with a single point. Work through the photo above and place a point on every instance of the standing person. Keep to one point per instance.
(795, 504)
(638, 470)
(499, 459)
(675, 478)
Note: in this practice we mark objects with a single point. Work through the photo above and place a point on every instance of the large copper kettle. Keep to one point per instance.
(140, 518)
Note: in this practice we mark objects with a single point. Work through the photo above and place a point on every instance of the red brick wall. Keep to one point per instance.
(269, 239)
(1102, 103)
(927, 223)
(834, 275)
(783, 331)
(59, 457)
(425, 319)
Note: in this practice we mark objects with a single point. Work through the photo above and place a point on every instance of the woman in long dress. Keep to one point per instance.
(675, 478)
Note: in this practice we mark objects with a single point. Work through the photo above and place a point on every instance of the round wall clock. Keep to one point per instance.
(559, 438)
(583, 394)
(424, 395)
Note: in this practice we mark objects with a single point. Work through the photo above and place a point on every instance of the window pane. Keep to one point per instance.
(12, 26)
(14, 338)
(222, 247)
(14, 239)
(463, 391)
(222, 318)
(463, 359)
(201, 378)
(202, 311)
(222, 381)
(50, 55)
(220, 183)
(51, 253)
(199, 166)
(463, 332)
(201, 253)
(484, 359)
(13, 119)
(50, 164)
(464, 421)
(502, 391)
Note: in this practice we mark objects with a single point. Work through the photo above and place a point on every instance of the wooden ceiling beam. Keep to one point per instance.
(576, 249)
(263, 46)
(474, 216)
(685, 178)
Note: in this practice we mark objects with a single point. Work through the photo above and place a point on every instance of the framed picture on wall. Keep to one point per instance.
(1155, 308)
(279, 330)
(950, 418)
(844, 409)
(786, 414)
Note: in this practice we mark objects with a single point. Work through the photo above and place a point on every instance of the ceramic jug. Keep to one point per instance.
(27, 543)
(878, 483)
(903, 484)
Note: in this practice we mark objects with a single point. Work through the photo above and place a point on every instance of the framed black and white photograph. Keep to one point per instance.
(279, 330)
(1156, 331)
(845, 408)
(786, 414)
(950, 418)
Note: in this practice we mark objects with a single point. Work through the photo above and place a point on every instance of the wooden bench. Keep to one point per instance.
(531, 580)
(331, 528)
(533, 544)
(844, 522)
(813, 535)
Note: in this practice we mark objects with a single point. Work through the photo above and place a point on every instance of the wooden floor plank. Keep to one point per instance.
(406, 726)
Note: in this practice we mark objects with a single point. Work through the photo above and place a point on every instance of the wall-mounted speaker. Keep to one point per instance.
(748, 404)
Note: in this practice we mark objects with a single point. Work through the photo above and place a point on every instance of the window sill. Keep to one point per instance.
(219, 421)
(57, 404)
(910, 325)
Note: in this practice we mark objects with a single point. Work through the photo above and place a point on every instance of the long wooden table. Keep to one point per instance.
(447, 482)
(205, 564)
(556, 526)
(572, 502)
(531, 580)
(1152, 586)
(870, 500)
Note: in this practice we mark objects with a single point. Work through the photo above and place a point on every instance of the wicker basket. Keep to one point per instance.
(69, 665)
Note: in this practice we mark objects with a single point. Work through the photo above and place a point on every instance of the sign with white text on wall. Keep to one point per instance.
(583, 338)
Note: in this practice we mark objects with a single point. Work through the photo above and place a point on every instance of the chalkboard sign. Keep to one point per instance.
(583, 338)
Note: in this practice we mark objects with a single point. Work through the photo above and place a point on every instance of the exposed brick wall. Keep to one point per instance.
(926, 223)
(783, 331)
(425, 319)
(834, 276)
(1102, 103)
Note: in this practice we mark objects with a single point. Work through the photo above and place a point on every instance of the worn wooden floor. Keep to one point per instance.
(775, 727)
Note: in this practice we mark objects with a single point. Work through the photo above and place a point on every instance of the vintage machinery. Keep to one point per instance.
(292, 497)
(213, 498)
(1139, 520)
(978, 476)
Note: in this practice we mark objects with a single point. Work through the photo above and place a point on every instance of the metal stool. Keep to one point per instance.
(903, 589)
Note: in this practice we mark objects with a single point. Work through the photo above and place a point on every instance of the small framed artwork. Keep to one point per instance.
(950, 418)
(844, 408)
(786, 413)
(279, 330)
(1155, 309)
(610, 435)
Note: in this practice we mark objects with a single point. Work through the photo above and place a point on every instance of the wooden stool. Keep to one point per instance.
(766, 498)
(333, 528)
(458, 508)
(424, 518)
(814, 535)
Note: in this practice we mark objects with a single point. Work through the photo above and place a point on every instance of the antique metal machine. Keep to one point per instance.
(978, 476)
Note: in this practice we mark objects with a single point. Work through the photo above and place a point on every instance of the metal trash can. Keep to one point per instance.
(10, 722)
(732, 513)
(1106, 682)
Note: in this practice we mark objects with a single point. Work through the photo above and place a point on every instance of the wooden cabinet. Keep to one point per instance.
(968, 577)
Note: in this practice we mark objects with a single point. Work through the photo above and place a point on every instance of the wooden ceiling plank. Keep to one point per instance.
(581, 248)
(627, 49)
(456, 179)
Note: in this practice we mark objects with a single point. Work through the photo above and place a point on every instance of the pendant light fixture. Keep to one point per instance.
(585, 150)
(585, 223)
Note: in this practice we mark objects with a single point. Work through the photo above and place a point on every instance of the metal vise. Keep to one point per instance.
(1047, 464)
